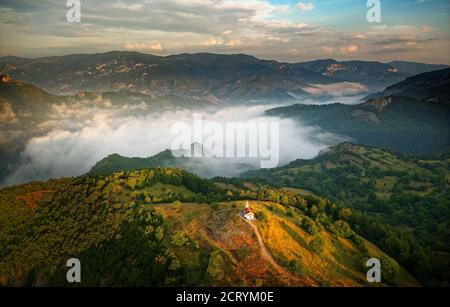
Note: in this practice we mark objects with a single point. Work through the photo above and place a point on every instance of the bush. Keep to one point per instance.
(310, 226)
(182, 239)
(317, 244)
(179, 239)
(389, 269)
(260, 216)
(341, 229)
(216, 267)
(359, 242)
(295, 266)
(290, 212)
(215, 205)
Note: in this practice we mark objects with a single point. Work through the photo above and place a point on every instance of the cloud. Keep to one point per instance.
(305, 6)
(82, 134)
(266, 29)
(352, 48)
(341, 89)
(128, 7)
(359, 36)
(328, 50)
(211, 42)
(7, 115)
(143, 46)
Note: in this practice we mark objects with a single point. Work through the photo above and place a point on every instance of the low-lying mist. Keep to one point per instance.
(79, 135)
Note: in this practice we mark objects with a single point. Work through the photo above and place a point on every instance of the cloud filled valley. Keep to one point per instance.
(76, 136)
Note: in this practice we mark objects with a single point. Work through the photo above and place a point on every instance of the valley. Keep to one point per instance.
(87, 171)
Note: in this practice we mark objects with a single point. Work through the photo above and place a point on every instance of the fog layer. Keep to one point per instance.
(80, 135)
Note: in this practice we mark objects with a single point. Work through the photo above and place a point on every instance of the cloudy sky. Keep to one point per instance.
(285, 30)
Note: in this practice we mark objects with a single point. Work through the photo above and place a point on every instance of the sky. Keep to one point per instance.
(282, 30)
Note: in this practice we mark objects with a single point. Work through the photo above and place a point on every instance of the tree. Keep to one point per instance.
(389, 269)
(341, 229)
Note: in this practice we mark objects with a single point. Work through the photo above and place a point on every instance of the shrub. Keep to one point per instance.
(182, 239)
(179, 239)
(389, 269)
(260, 216)
(359, 242)
(216, 271)
(309, 225)
(341, 229)
(159, 233)
(215, 205)
(290, 212)
(317, 244)
(131, 183)
(295, 266)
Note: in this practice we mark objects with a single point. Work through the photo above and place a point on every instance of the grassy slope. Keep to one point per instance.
(223, 229)
(410, 195)
(44, 223)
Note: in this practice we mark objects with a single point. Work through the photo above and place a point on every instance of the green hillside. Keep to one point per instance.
(203, 166)
(401, 124)
(116, 163)
(403, 201)
(22, 108)
(167, 227)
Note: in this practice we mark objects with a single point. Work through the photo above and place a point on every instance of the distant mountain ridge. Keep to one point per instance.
(188, 75)
(412, 116)
(202, 76)
(375, 73)
(432, 85)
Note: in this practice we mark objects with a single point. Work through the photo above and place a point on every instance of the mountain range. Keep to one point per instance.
(432, 86)
(411, 116)
(206, 77)
(373, 74)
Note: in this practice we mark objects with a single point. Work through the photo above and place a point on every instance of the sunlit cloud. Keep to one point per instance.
(264, 28)
(305, 6)
(143, 46)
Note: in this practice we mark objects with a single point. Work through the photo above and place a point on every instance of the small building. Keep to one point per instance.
(248, 213)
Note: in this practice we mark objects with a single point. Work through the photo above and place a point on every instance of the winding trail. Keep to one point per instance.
(266, 254)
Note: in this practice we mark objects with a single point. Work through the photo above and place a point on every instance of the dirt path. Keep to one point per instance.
(267, 255)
